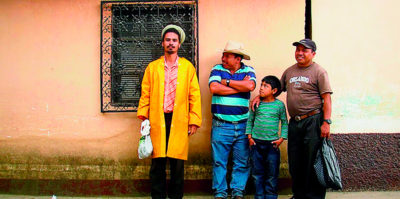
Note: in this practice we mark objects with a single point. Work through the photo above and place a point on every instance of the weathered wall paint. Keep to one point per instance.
(358, 44)
(50, 83)
(51, 125)
(52, 131)
(263, 29)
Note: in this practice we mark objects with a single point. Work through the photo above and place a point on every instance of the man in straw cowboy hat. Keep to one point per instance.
(230, 83)
(170, 99)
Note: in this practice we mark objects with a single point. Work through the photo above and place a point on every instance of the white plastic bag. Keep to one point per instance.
(145, 146)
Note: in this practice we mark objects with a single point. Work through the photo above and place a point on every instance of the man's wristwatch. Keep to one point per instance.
(329, 121)
(227, 82)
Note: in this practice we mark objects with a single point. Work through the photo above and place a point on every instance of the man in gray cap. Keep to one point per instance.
(309, 106)
(170, 99)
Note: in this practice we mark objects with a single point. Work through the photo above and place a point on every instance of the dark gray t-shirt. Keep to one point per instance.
(304, 86)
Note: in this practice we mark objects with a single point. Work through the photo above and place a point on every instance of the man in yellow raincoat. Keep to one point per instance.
(170, 99)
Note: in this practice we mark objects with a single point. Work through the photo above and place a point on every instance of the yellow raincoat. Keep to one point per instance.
(187, 107)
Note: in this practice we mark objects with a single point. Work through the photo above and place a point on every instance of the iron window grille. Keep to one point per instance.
(131, 39)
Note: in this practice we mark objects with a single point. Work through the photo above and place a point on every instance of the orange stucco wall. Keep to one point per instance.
(266, 28)
(50, 98)
(50, 75)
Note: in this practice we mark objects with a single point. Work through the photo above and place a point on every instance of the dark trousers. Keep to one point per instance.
(303, 141)
(158, 174)
(265, 169)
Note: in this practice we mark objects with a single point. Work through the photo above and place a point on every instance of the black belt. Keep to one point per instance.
(309, 114)
(230, 122)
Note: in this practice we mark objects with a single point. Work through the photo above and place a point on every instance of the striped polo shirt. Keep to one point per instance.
(232, 108)
(263, 124)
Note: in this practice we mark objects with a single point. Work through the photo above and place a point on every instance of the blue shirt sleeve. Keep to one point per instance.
(252, 74)
(215, 76)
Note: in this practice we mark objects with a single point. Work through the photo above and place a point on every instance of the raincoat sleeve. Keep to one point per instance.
(144, 102)
(194, 100)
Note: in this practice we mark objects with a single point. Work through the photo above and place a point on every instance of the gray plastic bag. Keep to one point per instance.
(327, 167)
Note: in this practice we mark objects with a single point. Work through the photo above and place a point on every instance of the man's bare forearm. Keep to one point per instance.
(243, 85)
(220, 89)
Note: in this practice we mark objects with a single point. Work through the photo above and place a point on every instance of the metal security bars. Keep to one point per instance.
(131, 39)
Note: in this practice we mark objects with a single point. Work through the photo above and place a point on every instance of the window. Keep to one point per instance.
(131, 39)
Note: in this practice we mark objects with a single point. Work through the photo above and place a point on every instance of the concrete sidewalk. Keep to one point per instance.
(330, 195)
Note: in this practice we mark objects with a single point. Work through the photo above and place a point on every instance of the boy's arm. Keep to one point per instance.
(250, 123)
(277, 142)
(284, 126)
(284, 122)
(249, 128)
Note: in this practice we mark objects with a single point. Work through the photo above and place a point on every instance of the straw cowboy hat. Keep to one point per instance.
(236, 48)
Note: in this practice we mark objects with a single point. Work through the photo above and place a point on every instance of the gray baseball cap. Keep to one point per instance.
(308, 43)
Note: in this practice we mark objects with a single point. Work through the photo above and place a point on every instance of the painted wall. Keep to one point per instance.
(260, 26)
(50, 100)
(358, 44)
(51, 125)
(52, 129)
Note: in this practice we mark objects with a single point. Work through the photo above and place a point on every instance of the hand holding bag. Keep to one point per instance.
(145, 146)
(327, 167)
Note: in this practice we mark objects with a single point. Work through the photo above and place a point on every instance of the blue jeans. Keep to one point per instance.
(227, 137)
(265, 169)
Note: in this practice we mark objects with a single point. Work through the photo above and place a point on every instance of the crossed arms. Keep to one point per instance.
(235, 86)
